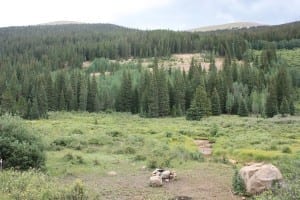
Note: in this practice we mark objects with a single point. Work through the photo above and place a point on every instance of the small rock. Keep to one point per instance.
(155, 181)
(112, 173)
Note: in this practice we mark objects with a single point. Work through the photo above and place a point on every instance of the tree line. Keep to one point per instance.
(261, 87)
(67, 46)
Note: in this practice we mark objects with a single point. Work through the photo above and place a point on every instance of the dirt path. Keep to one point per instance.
(204, 181)
(204, 146)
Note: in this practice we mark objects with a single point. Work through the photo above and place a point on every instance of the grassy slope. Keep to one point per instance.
(291, 56)
(120, 142)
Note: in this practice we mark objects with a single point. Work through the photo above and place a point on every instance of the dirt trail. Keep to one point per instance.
(204, 146)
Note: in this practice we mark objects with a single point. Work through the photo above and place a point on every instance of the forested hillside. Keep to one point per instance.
(41, 71)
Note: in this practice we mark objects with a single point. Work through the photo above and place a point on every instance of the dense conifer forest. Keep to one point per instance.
(41, 71)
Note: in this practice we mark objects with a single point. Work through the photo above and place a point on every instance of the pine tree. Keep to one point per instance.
(243, 109)
(292, 108)
(51, 97)
(135, 106)
(163, 94)
(229, 102)
(33, 109)
(97, 105)
(284, 107)
(200, 106)
(7, 102)
(92, 91)
(83, 94)
(215, 103)
(271, 102)
(153, 109)
(62, 102)
(283, 85)
(125, 95)
(194, 112)
(42, 100)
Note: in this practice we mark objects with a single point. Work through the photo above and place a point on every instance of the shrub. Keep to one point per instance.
(214, 130)
(114, 134)
(19, 148)
(140, 157)
(238, 184)
(197, 156)
(286, 150)
(77, 131)
(33, 185)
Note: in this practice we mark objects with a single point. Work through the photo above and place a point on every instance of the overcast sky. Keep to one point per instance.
(149, 14)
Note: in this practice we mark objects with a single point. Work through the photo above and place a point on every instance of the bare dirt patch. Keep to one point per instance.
(183, 61)
(203, 181)
(204, 146)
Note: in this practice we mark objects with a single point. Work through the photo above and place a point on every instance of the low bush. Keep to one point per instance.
(286, 149)
(19, 147)
(238, 184)
(33, 185)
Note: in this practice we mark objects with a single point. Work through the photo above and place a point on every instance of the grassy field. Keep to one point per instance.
(112, 155)
(291, 56)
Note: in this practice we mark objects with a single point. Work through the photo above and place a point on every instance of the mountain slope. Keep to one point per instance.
(236, 25)
(61, 23)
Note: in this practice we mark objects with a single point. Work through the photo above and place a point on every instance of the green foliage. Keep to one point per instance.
(271, 102)
(238, 184)
(243, 109)
(36, 185)
(286, 150)
(284, 107)
(200, 106)
(289, 189)
(215, 103)
(19, 148)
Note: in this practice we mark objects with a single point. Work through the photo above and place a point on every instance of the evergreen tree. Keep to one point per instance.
(97, 105)
(51, 97)
(284, 107)
(200, 106)
(292, 108)
(153, 109)
(163, 94)
(179, 93)
(283, 85)
(33, 109)
(243, 109)
(83, 94)
(271, 102)
(8, 102)
(125, 94)
(215, 103)
(135, 102)
(62, 102)
(92, 91)
(229, 102)
(42, 100)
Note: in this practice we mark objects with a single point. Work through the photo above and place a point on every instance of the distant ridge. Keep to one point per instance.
(229, 26)
(61, 23)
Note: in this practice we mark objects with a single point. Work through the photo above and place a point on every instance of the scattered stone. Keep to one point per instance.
(155, 181)
(112, 173)
(259, 177)
(233, 162)
(161, 175)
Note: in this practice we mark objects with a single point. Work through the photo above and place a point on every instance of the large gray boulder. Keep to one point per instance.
(259, 177)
